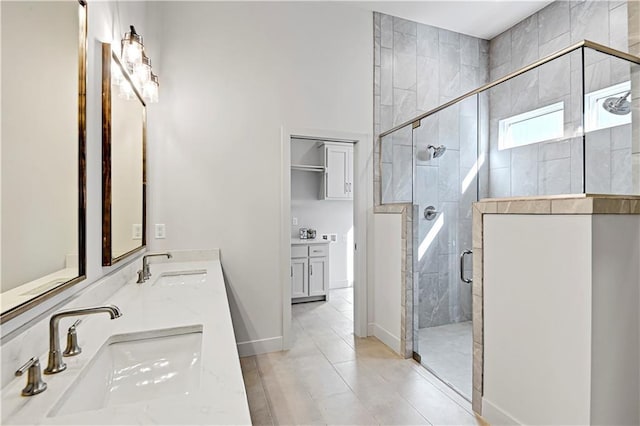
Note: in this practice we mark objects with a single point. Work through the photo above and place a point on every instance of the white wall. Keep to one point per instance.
(231, 76)
(385, 320)
(325, 216)
(615, 369)
(537, 318)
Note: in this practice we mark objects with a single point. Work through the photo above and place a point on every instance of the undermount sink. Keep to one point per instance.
(181, 278)
(137, 367)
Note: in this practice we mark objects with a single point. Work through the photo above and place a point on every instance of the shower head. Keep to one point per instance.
(438, 151)
(618, 106)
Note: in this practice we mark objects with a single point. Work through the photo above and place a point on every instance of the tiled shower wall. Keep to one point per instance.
(557, 167)
(417, 68)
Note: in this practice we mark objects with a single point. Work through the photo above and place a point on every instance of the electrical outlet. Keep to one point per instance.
(295, 221)
(136, 231)
(160, 231)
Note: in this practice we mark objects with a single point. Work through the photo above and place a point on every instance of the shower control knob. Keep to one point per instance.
(430, 213)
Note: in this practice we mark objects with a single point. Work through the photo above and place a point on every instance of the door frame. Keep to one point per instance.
(363, 197)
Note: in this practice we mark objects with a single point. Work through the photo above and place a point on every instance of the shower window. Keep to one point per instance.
(597, 117)
(535, 126)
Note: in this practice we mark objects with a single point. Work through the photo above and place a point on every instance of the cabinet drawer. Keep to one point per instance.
(299, 251)
(318, 250)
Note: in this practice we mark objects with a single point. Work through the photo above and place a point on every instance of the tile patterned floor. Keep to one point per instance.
(331, 377)
(448, 351)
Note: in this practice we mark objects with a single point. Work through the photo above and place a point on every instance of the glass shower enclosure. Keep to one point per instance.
(562, 125)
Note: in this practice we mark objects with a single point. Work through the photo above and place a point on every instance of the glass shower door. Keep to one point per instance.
(446, 164)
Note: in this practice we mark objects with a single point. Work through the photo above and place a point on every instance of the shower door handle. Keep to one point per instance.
(466, 280)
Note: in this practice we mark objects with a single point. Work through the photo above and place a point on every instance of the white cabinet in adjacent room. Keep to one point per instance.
(299, 277)
(318, 275)
(309, 271)
(338, 176)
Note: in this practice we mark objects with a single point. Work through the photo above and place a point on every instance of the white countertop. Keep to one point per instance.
(298, 241)
(221, 398)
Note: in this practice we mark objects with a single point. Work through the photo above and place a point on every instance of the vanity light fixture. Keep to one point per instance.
(142, 70)
(138, 66)
(132, 48)
(150, 89)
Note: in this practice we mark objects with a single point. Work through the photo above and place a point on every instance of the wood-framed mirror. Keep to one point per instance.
(43, 184)
(123, 162)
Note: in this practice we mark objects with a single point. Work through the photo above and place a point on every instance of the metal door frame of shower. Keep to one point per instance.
(417, 355)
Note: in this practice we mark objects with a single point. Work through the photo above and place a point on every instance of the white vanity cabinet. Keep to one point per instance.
(338, 176)
(309, 271)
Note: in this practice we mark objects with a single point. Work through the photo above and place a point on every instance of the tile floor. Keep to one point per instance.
(448, 351)
(331, 377)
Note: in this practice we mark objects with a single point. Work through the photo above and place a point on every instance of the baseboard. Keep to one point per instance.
(495, 416)
(262, 346)
(385, 336)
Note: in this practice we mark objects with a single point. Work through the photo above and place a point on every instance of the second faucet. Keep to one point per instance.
(145, 273)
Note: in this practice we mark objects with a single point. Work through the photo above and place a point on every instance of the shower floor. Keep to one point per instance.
(447, 351)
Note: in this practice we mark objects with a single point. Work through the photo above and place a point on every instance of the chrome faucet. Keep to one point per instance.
(56, 364)
(145, 273)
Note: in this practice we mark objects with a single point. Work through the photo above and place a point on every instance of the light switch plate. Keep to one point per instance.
(295, 221)
(160, 231)
(136, 231)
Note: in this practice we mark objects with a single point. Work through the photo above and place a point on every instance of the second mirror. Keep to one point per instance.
(123, 162)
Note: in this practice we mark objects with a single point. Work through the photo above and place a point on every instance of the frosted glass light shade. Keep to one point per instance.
(150, 89)
(132, 48)
(142, 70)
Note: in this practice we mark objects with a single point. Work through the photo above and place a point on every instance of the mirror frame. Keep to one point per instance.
(107, 250)
(82, 176)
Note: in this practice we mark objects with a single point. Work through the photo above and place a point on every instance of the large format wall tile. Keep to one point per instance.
(555, 176)
(553, 21)
(524, 170)
(428, 93)
(551, 29)
(524, 42)
(590, 21)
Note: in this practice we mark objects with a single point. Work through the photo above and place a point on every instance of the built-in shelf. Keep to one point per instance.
(307, 168)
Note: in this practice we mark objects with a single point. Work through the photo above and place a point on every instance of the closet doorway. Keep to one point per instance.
(323, 242)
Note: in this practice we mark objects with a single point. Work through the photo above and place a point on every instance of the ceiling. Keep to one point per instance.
(482, 18)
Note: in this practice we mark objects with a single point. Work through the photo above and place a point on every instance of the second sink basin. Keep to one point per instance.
(181, 278)
(137, 367)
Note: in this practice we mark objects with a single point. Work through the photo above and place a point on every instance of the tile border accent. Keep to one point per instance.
(580, 204)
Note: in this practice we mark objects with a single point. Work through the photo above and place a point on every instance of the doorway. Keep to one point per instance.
(334, 206)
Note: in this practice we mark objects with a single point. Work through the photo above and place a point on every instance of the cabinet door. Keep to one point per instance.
(350, 173)
(299, 278)
(318, 275)
(337, 172)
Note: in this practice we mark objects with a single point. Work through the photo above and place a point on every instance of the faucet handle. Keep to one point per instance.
(140, 277)
(35, 384)
(72, 348)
